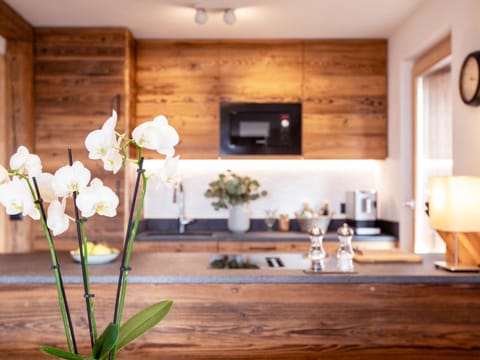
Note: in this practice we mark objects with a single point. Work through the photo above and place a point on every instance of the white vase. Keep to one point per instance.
(239, 218)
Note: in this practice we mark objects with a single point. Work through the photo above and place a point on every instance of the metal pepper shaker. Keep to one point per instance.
(317, 252)
(345, 250)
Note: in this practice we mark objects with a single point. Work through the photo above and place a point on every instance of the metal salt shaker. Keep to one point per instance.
(317, 252)
(345, 250)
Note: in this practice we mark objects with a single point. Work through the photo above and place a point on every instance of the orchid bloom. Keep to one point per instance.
(156, 135)
(45, 185)
(99, 142)
(57, 220)
(99, 199)
(113, 160)
(4, 178)
(17, 198)
(71, 178)
(25, 163)
(165, 173)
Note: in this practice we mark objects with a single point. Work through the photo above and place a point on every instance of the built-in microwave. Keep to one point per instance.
(260, 129)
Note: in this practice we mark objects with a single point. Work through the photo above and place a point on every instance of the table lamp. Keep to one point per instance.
(454, 206)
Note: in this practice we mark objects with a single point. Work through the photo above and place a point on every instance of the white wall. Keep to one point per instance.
(430, 22)
(289, 183)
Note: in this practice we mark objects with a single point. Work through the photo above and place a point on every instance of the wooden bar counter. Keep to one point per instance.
(397, 311)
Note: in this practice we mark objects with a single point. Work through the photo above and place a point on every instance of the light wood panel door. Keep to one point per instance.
(345, 99)
(260, 71)
(179, 79)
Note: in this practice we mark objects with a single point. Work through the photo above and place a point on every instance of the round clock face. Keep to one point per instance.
(470, 80)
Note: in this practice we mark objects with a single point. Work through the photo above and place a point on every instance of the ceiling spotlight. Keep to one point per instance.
(229, 17)
(201, 16)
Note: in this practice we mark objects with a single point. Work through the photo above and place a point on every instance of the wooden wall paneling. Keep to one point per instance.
(261, 71)
(129, 122)
(18, 106)
(4, 151)
(345, 99)
(80, 76)
(261, 321)
(13, 26)
(20, 126)
(179, 79)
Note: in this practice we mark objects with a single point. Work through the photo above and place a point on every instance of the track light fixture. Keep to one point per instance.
(229, 17)
(201, 16)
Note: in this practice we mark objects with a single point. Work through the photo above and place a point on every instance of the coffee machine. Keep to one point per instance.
(361, 211)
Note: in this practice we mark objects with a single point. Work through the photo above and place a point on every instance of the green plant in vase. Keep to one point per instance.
(25, 188)
(232, 189)
(234, 192)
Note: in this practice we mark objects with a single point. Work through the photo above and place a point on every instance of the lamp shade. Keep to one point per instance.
(454, 203)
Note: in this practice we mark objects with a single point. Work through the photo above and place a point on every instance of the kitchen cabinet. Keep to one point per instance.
(345, 99)
(230, 247)
(341, 84)
(294, 246)
(176, 246)
(179, 79)
(215, 245)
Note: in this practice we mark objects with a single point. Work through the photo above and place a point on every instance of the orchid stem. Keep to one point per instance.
(84, 260)
(128, 245)
(62, 298)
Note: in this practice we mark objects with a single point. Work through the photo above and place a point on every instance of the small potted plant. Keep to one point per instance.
(234, 192)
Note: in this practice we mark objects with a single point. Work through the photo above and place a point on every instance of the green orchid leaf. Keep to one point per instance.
(143, 321)
(105, 342)
(62, 354)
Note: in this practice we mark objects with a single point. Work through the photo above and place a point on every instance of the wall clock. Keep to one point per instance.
(470, 79)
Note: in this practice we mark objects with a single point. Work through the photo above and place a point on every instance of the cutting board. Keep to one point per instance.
(385, 256)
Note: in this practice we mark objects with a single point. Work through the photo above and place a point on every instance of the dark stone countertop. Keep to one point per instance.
(291, 236)
(184, 268)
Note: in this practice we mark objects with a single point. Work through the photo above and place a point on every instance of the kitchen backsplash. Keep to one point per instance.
(289, 183)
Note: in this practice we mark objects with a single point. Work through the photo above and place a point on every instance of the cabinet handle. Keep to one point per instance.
(260, 248)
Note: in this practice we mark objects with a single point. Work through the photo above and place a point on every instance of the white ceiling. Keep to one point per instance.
(173, 19)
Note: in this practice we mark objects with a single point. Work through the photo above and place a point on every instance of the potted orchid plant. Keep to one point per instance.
(24, 188)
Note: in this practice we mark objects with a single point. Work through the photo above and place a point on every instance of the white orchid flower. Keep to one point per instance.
(99, 142)
(167, 172)
(57, 220)
(15, 195)
(113, 160)
(99, 199)
(156, 135)
(71, 178)
(45, 186)
(25, 163)
(4, 177)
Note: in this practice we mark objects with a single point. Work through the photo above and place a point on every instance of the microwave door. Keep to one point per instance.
(254, 132)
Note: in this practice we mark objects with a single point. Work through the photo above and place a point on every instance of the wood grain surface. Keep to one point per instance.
(81, 75)
(341, 84)
(263, 321)
(345, 99)
(17, 120)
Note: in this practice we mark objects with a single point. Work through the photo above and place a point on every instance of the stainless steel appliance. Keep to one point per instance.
(361, 205)
(260, 129)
